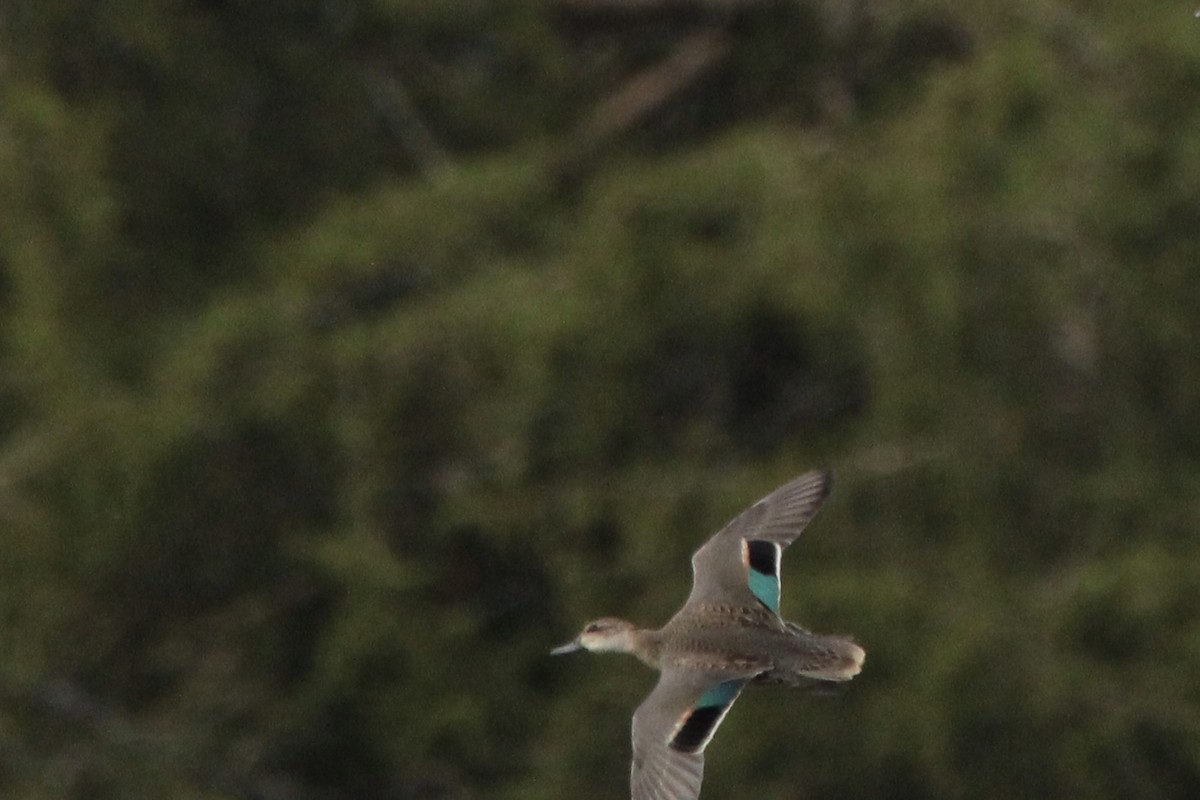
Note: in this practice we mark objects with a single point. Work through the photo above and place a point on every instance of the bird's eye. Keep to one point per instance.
(591, 628)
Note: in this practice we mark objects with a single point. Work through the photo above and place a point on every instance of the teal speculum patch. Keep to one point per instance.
(765, 588)
(762, 572)
(701, 722)
(722, 694)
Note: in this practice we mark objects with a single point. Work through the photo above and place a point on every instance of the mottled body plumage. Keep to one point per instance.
(728, 634)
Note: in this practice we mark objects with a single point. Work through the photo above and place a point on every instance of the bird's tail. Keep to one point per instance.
(824, 658)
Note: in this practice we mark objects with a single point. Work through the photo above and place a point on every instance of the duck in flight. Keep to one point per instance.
(728, 634)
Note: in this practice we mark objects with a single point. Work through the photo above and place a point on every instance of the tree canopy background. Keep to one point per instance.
(354, 352)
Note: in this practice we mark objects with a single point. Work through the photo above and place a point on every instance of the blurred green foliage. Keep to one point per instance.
(326, 409)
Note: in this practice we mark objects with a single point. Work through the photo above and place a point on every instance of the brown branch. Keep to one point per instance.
(394, 105)
(641, 96)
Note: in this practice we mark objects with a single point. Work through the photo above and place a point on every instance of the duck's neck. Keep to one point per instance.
(646, 644)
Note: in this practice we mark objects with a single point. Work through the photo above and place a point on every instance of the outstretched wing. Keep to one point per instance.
(740, 563)
(672, 727)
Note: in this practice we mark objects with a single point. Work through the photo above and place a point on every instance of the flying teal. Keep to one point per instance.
(728, 634)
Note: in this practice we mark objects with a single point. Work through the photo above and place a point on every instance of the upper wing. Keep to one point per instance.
(740, 563)
(672, 727)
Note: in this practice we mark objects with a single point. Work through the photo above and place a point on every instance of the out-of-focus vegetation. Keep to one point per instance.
(354, 352)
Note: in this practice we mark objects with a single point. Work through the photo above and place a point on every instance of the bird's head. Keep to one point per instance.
(605, 635)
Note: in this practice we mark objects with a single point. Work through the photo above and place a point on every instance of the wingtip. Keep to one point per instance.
(823, 477)
(826, 480)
